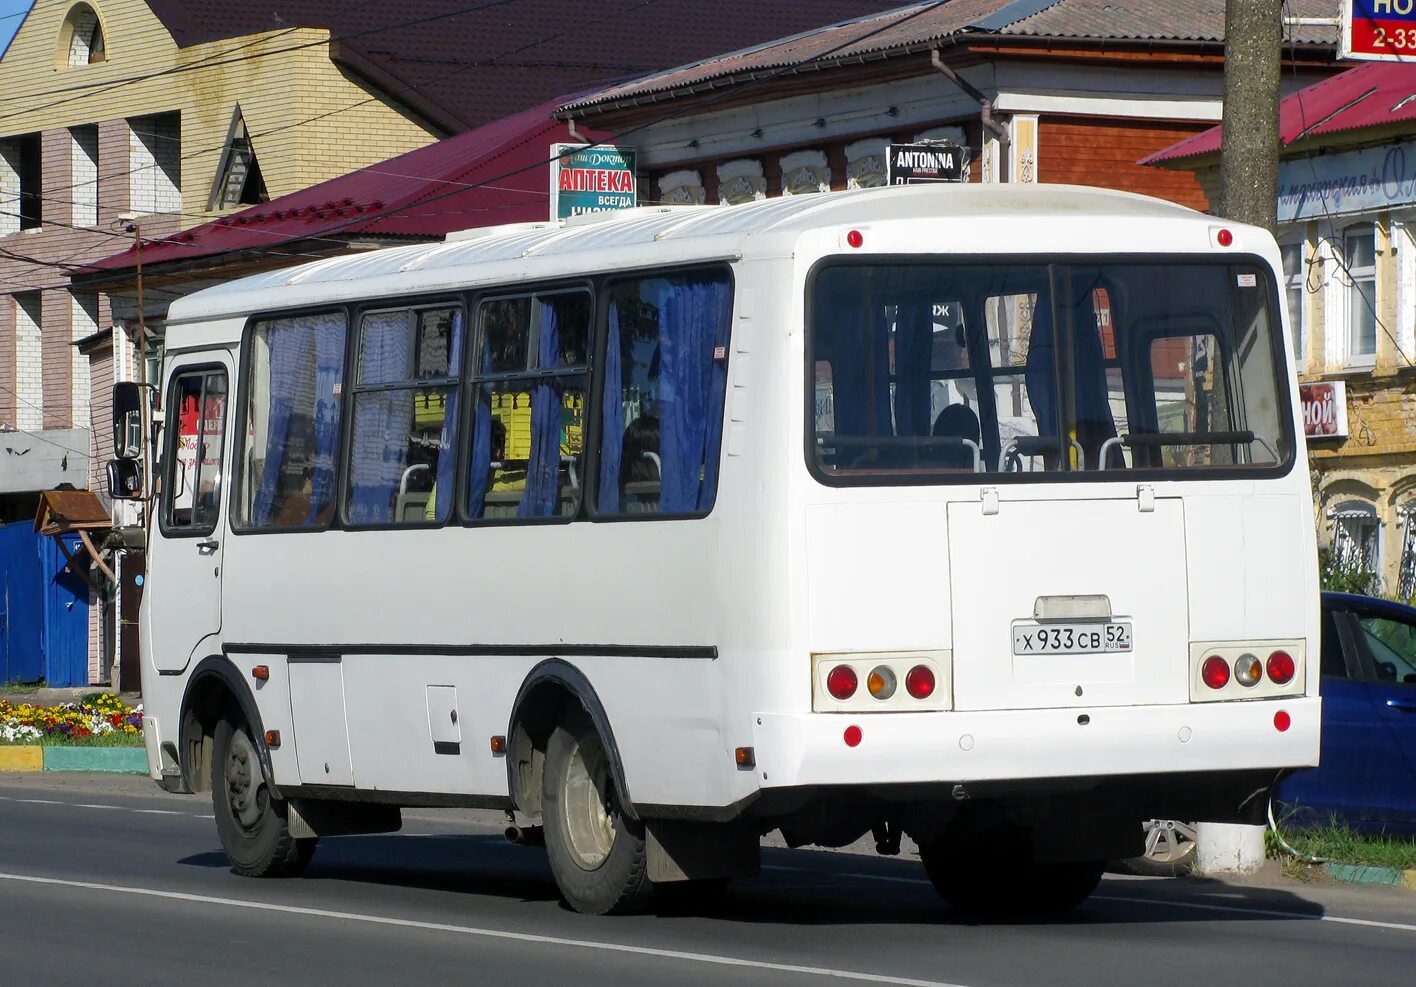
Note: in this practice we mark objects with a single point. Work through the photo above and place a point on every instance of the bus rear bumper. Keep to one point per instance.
(814, 749)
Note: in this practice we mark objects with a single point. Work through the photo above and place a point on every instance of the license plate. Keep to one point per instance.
(1093, 637)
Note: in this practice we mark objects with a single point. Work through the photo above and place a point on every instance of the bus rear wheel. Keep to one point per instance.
(597, 854)
(250, 821)
(988, 876)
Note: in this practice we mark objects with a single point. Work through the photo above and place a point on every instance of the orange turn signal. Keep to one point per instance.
(745, 757)
(498, 744)
(272, 738)
(261, 673)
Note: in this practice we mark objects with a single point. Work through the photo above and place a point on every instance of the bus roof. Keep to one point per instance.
(609, 241)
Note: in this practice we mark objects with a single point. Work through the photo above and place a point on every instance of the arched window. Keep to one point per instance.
(1356, 538)
(82, 37)
(1406, 570)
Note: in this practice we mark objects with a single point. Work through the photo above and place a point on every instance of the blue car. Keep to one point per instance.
(1367, 775)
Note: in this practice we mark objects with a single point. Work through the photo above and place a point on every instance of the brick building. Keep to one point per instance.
(1347, 225)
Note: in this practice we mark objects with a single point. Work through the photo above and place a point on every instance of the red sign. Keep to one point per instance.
(1324, 409)
(1378, 30)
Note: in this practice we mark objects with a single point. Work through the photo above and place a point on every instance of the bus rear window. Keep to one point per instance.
(923, 372)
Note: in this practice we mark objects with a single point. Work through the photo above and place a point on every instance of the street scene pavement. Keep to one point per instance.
(110, 867)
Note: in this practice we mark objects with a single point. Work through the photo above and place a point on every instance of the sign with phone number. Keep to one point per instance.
(1378, 30)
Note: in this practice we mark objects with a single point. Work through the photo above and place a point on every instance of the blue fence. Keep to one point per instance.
(43, 610)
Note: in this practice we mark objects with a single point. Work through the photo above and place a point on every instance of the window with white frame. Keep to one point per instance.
(1295, 280)
(1359, 256)
(1356, 538)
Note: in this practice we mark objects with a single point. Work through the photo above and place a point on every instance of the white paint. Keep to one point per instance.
(1229, 848)
(676, 955)
(1202, 110)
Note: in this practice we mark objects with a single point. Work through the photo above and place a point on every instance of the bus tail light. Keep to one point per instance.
(919, 682)
(1281, 667)
(1248, 670)
(881, 682)
(1215, 672)
(841, 682)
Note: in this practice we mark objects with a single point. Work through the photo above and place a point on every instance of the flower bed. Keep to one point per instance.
(100, 720)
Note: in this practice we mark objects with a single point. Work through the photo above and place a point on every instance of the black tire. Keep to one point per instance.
(991, 877)
(250, 821)
(597, 855)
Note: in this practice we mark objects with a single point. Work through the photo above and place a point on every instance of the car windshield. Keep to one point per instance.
(928, 371)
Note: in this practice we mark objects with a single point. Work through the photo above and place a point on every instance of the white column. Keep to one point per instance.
(1229, 848)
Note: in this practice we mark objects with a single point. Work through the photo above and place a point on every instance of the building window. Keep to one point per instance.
(1360, 264)
(83, 178)
(1356, 540)
(84, 320)
(155, 179)
(21, 172)
(29, 361)
(238, 177)
(1406, 571)
(82, 37)
(1295, 280)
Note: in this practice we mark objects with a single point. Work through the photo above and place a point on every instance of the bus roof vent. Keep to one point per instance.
(484, 232)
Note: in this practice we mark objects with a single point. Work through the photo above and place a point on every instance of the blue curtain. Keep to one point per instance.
(860, 369)
(692, 322)
(481, 465)
(1094, 422)
(914, 348)
(382, 419)
(447, 441)
(543, 469)
(289, 359)
(329, 371)
(611, 420)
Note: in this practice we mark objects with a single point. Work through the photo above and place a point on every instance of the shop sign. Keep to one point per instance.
(917, 164)
(1346, 182)
(1378, 30)
(586, 179)
(1324, 409)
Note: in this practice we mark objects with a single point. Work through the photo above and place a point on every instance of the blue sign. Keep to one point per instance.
(1346, 182)
(591, 179)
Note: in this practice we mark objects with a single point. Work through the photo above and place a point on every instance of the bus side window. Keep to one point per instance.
(664, 382)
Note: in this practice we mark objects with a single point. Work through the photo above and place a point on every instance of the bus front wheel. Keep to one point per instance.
(250, 821)
(994, 877)
(597, 854)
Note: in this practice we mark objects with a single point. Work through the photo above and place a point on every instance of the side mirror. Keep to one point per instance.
(125, 479)
(128, 406)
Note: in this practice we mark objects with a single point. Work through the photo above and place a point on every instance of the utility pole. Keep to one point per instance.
(1248, 156)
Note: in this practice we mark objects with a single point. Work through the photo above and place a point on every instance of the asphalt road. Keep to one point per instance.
(107, 880)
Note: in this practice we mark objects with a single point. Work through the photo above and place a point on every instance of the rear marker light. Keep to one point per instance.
(919, 682)
(1224, 238)
(854, 238)
(1248, 670)
(1281, 668)
(1282, 721)
(841, 682)
(852, 736)
(1215, 672)
(881, 682)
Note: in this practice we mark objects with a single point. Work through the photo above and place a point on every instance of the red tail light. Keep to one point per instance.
(919, 682)
(1215, 672)
(841, 682)
(1281, 668)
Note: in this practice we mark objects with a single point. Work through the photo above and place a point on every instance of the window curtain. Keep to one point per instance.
(692, 323)
(443, 485)
(382, 419)
(914, 348)
(480, 468)
(289, 353)
(543, 469)
(329, 371)
(1094, 424)
(612, 421)
(860, 369)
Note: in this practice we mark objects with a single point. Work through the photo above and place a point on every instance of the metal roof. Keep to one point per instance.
(1374, 94)
(903, 30)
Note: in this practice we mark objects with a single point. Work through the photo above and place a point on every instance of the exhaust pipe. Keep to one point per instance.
(525, 835)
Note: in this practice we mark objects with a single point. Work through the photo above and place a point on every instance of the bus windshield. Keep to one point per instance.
(927, 371)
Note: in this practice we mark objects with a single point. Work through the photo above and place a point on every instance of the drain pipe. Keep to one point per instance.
(985, 106)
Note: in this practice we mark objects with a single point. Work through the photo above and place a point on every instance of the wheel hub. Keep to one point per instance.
(245, 789)
(587, 804)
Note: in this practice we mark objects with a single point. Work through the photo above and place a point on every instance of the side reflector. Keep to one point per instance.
(1282, 721)
(852, 736)
(272, 738)
(261, 673)
(498, 744)
(745, 757)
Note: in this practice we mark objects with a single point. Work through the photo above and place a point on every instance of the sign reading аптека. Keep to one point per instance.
(591, 179)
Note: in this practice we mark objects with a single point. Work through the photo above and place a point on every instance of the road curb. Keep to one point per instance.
(108, 760)
(1389, 876)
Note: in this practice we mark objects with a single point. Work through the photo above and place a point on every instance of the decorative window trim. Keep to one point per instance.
(1299, 279)
(1348, 278)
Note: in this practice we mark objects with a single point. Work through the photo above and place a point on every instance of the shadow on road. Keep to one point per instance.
(796, 887)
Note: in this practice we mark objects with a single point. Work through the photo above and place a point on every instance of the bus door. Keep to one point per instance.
(186, 560)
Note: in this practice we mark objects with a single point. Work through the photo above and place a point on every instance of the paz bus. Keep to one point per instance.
(976, 514)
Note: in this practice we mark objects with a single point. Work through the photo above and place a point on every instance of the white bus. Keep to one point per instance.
(973, 513)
